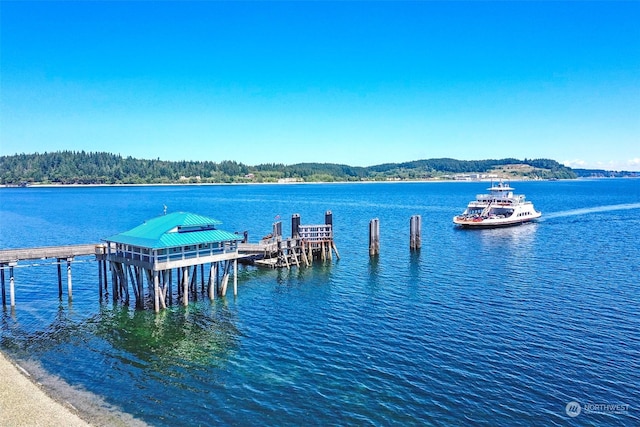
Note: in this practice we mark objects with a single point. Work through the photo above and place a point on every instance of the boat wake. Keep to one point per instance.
(585, 211)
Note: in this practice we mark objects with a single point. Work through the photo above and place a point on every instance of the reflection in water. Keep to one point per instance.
(202, 334)
(517, 236)
(374, 270)
(510, 248)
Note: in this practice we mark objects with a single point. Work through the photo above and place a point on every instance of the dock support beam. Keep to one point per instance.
(225, 278)
(374, 237)
(415, 230)
(335, 249)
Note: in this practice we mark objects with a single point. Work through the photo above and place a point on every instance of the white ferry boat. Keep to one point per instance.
(499, 208)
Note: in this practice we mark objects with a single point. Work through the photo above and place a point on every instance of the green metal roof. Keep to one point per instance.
(173, 230)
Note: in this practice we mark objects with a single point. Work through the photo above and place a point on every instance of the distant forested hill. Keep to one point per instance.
(601, 173)
(71, 167)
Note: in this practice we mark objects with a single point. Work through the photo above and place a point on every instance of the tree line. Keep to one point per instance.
(80, 167)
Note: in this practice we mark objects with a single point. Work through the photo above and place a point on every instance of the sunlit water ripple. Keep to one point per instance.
(490, 327)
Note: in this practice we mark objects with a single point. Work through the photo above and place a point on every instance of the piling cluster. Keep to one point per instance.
(306, 244)
(415, 235)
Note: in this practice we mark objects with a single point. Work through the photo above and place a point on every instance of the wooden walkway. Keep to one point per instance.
(9, 258)
(257, 248)
(60, 252)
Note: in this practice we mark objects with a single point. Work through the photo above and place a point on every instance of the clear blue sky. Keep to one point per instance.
(359, 83)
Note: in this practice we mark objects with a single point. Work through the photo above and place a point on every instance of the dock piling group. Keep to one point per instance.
(415, 235)
(307, 242)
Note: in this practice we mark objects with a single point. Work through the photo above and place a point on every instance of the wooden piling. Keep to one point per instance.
(202, 278)
(4, 292)
(304, 253)
(163, 291)
(328, 218)
(69, 290)
(12, 286)
(225, 279)
(140, 282)
(135, 281)
(282, 255)
(185, 286)
(59, 278)
(156, 292)
(415, 231)
(114, 279)
(212, 284)
(374, 237)
(194, 283)
(235, 277)
(104, 273)
(295, 224)
(179, 281)
(292, 251)
(100, 279)
(335, 249)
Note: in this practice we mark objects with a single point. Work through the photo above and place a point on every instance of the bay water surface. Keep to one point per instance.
(480, 327)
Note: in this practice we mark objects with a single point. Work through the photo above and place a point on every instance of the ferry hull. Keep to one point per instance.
(491, 223)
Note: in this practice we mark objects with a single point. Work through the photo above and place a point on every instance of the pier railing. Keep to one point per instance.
(155, 256)
(315, 233)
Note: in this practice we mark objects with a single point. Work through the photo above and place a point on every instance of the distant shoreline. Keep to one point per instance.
(209, 184)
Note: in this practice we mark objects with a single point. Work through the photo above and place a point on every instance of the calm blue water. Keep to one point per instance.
(489, 327)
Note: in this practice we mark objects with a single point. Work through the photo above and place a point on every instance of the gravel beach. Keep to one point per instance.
(23, 403)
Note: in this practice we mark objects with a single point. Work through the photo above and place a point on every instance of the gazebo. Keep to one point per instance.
(182, 241)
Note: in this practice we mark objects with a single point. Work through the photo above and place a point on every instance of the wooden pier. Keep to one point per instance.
(9, 258)
(46, 252)
(184, 246)
(176, 249)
